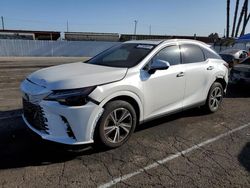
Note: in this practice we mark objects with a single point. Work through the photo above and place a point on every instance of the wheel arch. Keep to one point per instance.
(222, 82)
(129, 97)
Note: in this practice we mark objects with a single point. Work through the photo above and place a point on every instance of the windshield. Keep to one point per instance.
(125, 55)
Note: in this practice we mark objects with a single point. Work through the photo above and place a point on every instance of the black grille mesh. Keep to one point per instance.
(35, 116)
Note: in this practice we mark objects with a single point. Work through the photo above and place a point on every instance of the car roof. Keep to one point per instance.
(153, 42)
(157, 42)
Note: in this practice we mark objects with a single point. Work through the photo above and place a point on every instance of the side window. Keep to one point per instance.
(170, 54)
(210, 54)
(192, 53)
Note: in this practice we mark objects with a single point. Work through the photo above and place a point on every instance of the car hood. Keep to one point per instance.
(76, 75)
(242, 68)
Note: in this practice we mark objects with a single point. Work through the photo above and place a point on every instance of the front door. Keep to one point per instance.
(164, 90)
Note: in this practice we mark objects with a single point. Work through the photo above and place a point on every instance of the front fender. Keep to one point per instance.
(120, 93)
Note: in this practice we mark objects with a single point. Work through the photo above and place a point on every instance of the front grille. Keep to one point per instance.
(35, 116)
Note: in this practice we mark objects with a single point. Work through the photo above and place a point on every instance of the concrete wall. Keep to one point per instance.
(26, 48)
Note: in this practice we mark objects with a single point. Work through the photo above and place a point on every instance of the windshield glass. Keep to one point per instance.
(125, 55)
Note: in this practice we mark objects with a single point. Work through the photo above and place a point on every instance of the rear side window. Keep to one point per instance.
(192, 53)
(209, 54)
(170, 54)
(226, 57)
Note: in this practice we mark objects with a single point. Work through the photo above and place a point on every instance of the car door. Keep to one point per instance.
(164, 89)
(197, 72)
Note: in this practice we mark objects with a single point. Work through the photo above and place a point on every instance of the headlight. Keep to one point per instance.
(72, 97)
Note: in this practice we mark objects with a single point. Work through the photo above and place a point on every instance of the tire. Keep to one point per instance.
(116, 124)
(214, 98)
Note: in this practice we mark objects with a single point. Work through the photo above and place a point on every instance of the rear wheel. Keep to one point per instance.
(116, 124)
(214, 98)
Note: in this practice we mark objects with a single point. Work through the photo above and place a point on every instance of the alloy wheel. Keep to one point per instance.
(215, 98)
(118, 125)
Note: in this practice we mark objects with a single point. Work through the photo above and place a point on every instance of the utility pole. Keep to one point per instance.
(67, 26)
(2, 22)
(135, 27)
(149, 29)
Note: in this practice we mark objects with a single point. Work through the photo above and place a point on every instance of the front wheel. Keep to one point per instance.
(214, 97)
(116, 124)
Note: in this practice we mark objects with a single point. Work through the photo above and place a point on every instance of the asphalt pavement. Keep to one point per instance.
(188, 149)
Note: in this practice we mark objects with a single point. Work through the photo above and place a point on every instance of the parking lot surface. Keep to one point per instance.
(188, 149)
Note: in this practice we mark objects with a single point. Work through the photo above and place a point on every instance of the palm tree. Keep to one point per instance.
(235, 16)
(240, 18)
(245, 25)
(245, 19)
(228, 17)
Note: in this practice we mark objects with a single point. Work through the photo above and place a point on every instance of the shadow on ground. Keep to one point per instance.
(238, 91)
(20, 148)
(244, 157)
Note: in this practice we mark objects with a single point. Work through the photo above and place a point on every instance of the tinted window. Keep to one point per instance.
(228, 58)
(191, 53)
(170, 54)
(210, 54)
(125, 55)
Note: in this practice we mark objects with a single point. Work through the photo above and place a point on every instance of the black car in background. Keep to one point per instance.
(240, 73)
(233, 56)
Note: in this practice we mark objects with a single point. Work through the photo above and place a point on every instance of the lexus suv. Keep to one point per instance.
(103, 99)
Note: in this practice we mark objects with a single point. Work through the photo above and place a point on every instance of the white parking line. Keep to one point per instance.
(171, 157)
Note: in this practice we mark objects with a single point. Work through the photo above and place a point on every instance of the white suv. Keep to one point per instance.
(102, 100)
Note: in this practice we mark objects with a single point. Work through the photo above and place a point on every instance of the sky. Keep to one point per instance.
(166, 17)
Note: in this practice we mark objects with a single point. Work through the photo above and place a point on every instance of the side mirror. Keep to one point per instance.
(158, 64)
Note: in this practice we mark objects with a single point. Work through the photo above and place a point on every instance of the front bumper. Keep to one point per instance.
(73, 125)
(67, 125)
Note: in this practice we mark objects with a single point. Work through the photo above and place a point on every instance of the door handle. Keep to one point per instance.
(181, 74)
(210, 68)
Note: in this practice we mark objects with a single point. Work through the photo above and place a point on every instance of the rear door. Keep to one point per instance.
(196, 72)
